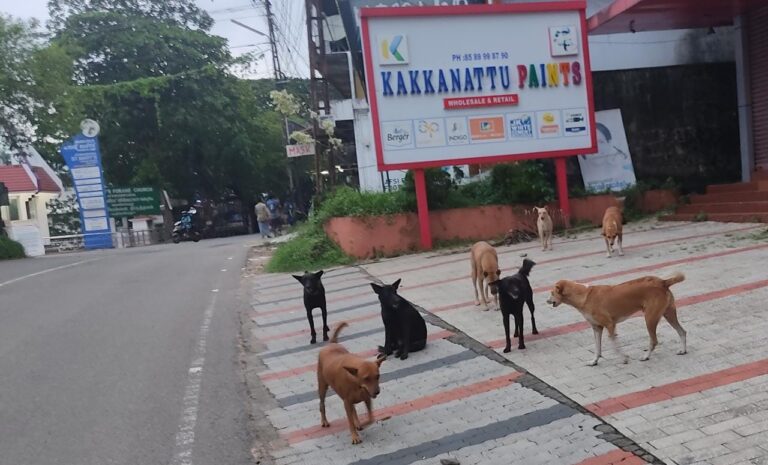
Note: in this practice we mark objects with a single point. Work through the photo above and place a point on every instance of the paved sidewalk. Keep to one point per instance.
(462, 398)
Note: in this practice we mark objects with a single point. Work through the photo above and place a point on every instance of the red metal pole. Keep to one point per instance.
(562, 189)
(423, 209)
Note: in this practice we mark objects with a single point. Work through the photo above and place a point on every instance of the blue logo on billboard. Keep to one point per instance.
(521, 127)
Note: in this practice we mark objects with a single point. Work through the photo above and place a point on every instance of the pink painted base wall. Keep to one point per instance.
(382, 236)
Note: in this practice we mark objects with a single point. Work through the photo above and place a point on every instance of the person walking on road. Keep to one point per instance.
(262, 217)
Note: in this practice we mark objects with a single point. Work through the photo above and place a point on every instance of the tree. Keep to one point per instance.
(172, 114)
(34, 83)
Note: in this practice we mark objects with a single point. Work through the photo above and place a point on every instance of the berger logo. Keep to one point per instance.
(394, 50)
(397, 134)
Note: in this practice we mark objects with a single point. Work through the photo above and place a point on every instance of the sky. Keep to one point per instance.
(289, 15)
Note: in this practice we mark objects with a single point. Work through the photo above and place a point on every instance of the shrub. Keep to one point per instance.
(345, 201)
(524, 182)
(10, 249)
(311, 249)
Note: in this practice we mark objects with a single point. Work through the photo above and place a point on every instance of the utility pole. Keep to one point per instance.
(318, 85)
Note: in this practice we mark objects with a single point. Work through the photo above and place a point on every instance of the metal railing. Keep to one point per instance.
(121, 239)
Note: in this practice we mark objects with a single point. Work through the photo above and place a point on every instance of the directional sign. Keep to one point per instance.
(133, 201)
(82, 156)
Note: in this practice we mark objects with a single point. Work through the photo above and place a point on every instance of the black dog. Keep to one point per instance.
(404, 329)
(314, 297)
(514, 291)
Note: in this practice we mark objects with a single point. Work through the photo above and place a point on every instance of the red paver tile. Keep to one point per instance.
(680, 388)
(616, 457)
(410, 406)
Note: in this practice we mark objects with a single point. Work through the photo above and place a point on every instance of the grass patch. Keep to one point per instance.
(311, 249)
(10, 249)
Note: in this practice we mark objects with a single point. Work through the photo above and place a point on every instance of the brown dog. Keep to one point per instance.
(612, 229)
(544, 225)
(606, 306)
(485, 270)
(353, 378)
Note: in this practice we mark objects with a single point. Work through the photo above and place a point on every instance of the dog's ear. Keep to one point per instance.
(485, 274)
(498, 272)
(299, 278)
(319, 273)
(376, 288)
(352, 371)
(559, 289)
(396, 284)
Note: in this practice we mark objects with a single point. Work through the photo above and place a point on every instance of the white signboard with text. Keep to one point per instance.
(611, 167)
(477, 84)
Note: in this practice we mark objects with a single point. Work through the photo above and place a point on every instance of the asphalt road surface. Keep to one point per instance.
(124, 357)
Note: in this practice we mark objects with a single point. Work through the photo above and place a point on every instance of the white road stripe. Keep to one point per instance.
(185, 437)
(49, 270)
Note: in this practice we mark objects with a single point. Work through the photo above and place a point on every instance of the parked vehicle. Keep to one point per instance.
(185, 229)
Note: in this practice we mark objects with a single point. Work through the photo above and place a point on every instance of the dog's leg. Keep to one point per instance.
(532, 308)
(519, 330)
(474, 281)
(616, 346)
(671, 316)
(322, 389)
(543, 238)
(371, 419)
(481, 287)
(651, 323)
(598, 332)
(326, 329)
(311, 326)
(351, 414)
(505, 319)
(621, 249)
(608, 248)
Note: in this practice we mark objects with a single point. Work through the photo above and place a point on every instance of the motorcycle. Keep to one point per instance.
(185, 230)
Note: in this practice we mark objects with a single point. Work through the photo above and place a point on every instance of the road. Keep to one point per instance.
(124, 357)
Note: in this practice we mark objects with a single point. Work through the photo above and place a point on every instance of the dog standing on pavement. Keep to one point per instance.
(514, 291)
(404, 328)
(353, 378)
(314, 297)
(612, 230)
(544, 225)
(485, 269)
(606, 306)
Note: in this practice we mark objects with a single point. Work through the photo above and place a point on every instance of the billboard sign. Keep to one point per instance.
(478, 83)
(133, 201)
(83, 158)
(300, 150)
(611, 167)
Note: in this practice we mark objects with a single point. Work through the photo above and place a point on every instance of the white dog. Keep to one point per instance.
(544, 224)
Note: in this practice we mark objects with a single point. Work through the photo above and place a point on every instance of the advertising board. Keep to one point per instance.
(453, 85)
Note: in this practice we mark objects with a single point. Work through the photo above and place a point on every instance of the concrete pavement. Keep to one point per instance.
(461, 397)
(124, 357)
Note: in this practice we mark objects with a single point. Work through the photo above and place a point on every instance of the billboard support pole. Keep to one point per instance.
(562, 189)
(423, 209)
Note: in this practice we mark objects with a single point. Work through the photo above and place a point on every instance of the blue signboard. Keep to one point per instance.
(82, 156)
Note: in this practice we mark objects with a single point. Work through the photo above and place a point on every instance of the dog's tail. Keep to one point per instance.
(525, 270)
(337, 330)
(674, 279)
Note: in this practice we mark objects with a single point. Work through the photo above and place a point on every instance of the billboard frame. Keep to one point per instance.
(560, 156)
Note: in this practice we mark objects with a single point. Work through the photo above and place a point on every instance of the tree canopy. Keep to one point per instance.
(172, 114)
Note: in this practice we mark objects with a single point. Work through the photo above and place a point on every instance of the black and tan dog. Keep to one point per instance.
(314, 297)
(514, 292)
(404, 328)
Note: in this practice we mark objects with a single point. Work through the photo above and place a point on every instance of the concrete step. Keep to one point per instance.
(723, 197)
(725, 207)
(752, 217)
(734, 187)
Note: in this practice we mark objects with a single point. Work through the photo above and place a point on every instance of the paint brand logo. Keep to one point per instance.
(394, 50)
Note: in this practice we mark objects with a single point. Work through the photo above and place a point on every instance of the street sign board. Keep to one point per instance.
(300, 150)
(83, 158)
(445, 89)
(133, 201)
